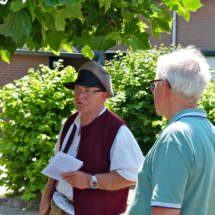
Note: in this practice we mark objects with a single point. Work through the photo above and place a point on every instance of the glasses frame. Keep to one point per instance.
(153, 81)
(84, 93)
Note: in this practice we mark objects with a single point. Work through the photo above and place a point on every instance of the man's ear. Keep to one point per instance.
(167, 88)
(104, 95)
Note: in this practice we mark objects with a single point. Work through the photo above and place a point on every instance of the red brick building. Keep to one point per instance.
(199, 31)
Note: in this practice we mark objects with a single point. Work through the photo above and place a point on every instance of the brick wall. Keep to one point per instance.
(19, 66)
(200, 31)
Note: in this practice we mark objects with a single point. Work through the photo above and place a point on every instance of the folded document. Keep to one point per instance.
(61, 163)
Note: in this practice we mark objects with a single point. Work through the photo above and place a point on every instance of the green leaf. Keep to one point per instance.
(7, 48)
(85, 38)
(51, 2)
(87, 52)
(107, 4)
(9, 45)
(2, 38)
(160, 23)
(101, 3)
(17, 5)
(60, 20)
(131, 27)
(60, 17)
(31, 4)
(134, 44)
(21, 42)
(43, 7)
(126, 15)
(69, 2)
(56, 2)
(5, 55)
(138, 41)
(114, 36)
(48, 20)
(2, 11)
(78, 41)
(158, 26)
(96, 41)
(143, 39)
(35, 38)
(17, 26)
(75, 10)
(67, 47)
(183, 11)
(192, 5)
(54, 39)
(106, 44)
(93, 19)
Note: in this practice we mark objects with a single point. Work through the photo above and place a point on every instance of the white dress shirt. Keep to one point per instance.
(125, 156)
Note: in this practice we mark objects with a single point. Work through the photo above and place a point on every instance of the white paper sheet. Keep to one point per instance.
(61, 163)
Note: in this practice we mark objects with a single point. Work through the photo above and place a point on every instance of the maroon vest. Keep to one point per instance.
(94, 150)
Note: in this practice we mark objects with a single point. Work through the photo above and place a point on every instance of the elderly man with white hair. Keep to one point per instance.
(178, 175)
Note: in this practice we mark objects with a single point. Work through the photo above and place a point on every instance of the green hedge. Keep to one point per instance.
(34, 108)
(134, 102)
(207, 102)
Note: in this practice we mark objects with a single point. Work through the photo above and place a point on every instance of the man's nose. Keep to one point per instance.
(81, 94)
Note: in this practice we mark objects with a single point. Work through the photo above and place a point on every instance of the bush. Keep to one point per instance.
(207, 102)
(134, 102)
(34, 108)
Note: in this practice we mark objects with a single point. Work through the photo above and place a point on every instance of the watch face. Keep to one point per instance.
(93, 182)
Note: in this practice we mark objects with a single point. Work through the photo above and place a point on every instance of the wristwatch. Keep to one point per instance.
(93, 182)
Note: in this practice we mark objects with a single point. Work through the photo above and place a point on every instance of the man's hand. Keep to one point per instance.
(77, 179)
(45, 207)
(45, 204)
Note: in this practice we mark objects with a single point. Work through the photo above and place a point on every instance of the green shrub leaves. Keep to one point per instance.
(33, 109)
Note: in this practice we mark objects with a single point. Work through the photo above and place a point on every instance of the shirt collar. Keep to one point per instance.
(77, 121)
(186, 112)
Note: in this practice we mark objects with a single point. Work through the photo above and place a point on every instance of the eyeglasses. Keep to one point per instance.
(85, 93)
(152, 84)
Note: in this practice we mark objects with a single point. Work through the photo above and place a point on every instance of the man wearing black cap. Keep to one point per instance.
(104, 143)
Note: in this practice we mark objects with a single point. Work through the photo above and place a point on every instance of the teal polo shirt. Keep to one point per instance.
(179, 170)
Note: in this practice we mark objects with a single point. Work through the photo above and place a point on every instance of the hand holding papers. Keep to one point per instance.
(61, 163)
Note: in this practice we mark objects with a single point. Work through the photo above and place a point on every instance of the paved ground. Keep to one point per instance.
(4, 210)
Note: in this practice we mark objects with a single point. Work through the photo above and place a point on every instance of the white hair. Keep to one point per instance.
(187, 72)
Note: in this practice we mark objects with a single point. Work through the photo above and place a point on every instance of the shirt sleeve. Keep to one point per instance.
(170, 172)
(125, 155)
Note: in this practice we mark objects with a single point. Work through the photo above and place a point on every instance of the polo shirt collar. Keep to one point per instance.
(185, 113)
